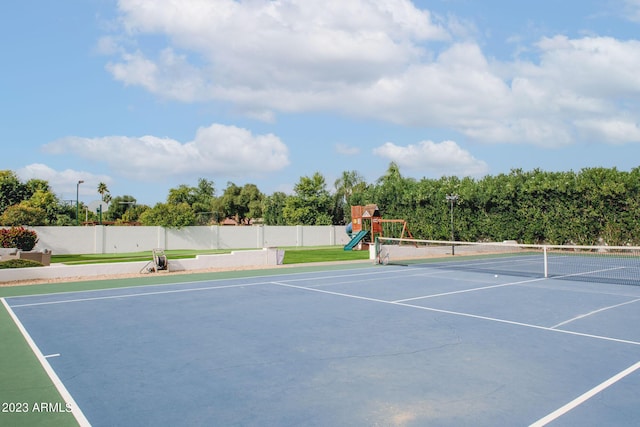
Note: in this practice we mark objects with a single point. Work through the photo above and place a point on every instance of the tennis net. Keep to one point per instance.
(608, 264)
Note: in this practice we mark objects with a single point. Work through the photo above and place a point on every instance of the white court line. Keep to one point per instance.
(52, 355)
(214, 280)
(467, 290)
(172, 291)
(324, 291)
(141, 294)
(64, 393)
(376, 274)
(584, 397)
(457, 313)
(594, 312)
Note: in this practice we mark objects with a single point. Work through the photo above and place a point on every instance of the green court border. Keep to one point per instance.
(24, 381)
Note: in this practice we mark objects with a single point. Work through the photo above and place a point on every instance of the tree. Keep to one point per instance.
(241, 203)
(12, 191)
(118, 206)
(200, 199)
(203, 205)
(31, 203)
(311, 204)
(182, 194)
(347, 183)
(132, 214)
(23, 214)
(391, 192)
(252, 198)
(273, 207)
(169, 215)
(44, 200)
(228, 205)
(34, 185)
(105, 195)
(345, 186)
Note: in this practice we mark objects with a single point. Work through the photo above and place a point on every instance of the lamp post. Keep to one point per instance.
(77, 203)
(452, 198)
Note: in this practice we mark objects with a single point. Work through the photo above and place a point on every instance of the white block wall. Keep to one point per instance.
(122, 239)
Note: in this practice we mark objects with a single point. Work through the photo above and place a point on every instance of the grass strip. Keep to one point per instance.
(24, 384)
(130, 257)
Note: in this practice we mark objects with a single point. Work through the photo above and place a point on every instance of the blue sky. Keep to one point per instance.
(146, 95)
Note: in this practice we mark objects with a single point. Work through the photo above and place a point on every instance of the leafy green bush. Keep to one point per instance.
(18, 237)
(19, 263)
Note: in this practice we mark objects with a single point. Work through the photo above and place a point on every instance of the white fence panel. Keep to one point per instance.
(120, 239)
(280, 236)
(238, 237)
(202, 237)
(131, 239)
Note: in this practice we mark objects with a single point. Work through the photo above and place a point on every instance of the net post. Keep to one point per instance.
(546, 262)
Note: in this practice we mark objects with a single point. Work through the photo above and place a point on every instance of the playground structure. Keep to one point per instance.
(158, 263)
(367, 224)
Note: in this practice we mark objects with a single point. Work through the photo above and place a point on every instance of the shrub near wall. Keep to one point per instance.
(18, 237)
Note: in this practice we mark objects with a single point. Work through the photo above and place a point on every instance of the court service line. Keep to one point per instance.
(376, 274)
(526, 325)
(324, 291)
(584, 397)
(141, 294)
(64, 393)
(191, 289)
(457, 313)
(197, 282)
(374, 277)
(172, 291)
(466, 290)
(594, 312)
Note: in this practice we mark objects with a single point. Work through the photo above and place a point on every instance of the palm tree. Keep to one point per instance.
(104, 192)
(346, 184)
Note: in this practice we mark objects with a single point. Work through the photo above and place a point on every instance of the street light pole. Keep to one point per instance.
(77, 203)
(452, 198)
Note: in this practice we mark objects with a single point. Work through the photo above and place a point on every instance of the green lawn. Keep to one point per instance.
(323, 254)
(131, 256)
(293, 255)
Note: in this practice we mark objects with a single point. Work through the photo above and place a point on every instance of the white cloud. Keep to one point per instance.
(171, 75)
(551, 102)
(444, 158)
(216, 150)
(394, 63)
(458, 87)
(347, 150)
(267, 48)
(108, 46)
(590, 66)
(66, 181)
(615, 130)
(631, 10)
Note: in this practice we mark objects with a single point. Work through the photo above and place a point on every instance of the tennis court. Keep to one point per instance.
(361, 345)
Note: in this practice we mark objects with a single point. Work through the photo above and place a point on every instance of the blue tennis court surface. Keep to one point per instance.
(378, 346)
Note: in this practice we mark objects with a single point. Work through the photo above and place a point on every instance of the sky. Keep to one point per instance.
(148, 95)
